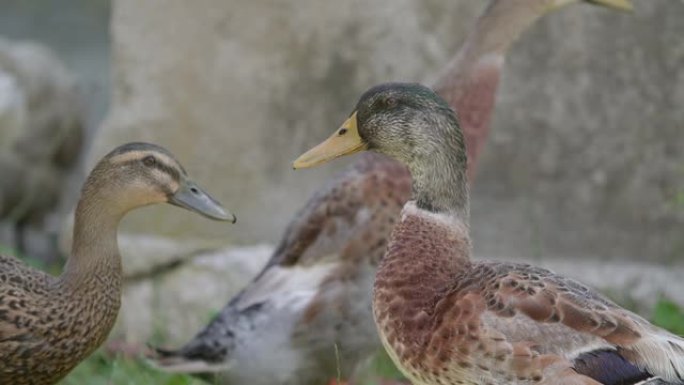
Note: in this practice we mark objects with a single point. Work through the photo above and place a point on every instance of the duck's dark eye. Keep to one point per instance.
(391, 102)
(149, 161)
(342, 131)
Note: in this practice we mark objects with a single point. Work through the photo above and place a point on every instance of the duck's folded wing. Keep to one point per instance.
(342, 211)
(511, 290)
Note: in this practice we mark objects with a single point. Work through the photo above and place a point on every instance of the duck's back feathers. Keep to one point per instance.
(547, 298)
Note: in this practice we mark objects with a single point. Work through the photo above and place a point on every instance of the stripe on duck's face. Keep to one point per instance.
(148, 176)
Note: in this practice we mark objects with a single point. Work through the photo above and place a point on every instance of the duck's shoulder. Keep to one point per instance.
(361, 203)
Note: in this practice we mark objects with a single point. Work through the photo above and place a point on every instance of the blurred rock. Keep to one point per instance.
(13, 110)
(585, 155)
(146, 255)
(53, 117)
(171, 304)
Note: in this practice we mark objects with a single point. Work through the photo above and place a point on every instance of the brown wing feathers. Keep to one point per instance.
(545, 297)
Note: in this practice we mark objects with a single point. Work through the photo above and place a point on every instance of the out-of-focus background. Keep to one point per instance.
(583, 171)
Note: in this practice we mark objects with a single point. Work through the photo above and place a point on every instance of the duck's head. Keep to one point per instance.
(412, 124)
(406, 121)
(140, 174)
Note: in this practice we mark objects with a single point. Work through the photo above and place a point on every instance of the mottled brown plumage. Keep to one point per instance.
(49, 324)
(315, 290)
(445, 319)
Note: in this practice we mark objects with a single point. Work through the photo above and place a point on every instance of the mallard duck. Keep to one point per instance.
(308, 313)
(445, 319)
(49, 324)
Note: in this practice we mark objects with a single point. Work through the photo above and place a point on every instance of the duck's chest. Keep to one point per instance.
(446, 346)
(85, 319)
(69, 328)
(428, 311)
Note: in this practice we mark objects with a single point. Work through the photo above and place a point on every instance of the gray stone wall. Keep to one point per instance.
(587, 150)
(586, 155)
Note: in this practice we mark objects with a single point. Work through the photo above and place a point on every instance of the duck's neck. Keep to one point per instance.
(439, 176)
(470, 81)
(95, 253)
(499, 26)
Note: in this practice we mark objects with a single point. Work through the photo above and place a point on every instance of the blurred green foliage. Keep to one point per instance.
(101, 369)
(669, 316)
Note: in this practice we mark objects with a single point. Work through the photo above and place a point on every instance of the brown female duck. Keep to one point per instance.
(445, 319)
(49, 324)
(308, 313)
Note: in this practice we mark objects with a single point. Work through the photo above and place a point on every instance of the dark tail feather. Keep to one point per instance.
(175, 361)
(610, 368)
(156, 352)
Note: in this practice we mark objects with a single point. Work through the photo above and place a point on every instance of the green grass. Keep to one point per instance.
(669, 316)
(380, 367)
(100, 369)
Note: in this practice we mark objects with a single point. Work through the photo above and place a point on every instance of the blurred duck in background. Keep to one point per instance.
(49, 324)
(308, 313)
(42, 123)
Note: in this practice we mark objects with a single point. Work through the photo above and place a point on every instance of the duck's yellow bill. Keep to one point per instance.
(624, 5)
(344, 141)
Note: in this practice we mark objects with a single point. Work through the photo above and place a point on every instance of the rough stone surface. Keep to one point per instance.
(585, 156)
(586, 153)
(172, 304)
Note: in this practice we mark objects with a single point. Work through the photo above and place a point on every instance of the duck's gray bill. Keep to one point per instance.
(192, 197)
